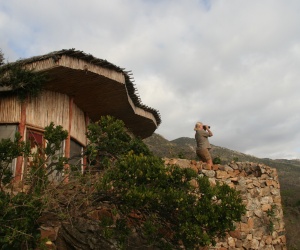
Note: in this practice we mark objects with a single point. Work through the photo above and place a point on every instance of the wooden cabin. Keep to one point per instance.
(80, 88)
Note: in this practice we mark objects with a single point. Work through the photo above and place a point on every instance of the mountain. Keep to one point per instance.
(185, 147)
(288, 173)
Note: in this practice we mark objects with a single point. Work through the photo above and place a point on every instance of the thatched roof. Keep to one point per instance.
(98, 88)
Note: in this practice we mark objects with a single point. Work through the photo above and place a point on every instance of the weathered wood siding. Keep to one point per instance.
(78, 129)
(10, 110)
(76, 63)
(79, 64)
(46, 108)
(41, 111)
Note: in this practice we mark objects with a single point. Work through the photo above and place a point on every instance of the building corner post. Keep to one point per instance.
(21, 129)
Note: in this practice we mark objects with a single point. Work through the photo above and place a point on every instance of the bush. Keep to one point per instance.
(19, 212)
(217, 160)
(173, 209)
(176, 206)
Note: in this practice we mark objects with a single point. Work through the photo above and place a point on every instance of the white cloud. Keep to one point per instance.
(232, 64)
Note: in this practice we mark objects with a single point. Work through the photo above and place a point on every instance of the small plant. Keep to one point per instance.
(23, 82)
(217, 160)
(235, 159)
(9, 150)
(271, 217)
(181, 155)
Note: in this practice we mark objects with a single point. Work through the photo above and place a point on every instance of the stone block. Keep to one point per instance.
(250, 223)
(267, 200)
(215, 167)
(231, 242)
(194, 183)
(268, 239)
(222, 175)
(243, 173)
(266, 191)
(256, 183)
(265, 207)
(250, 185)
(258, 213)
(234, 173)
(206, 166)
(183, 163)
(245, 227)
(277, 199)
(172, 161)
(235, 234)
(258, 233)
(275, 191)
(239, 244)
(254, 244)
(193, 167)
(209, 173)
(249, 237)
(234, 179)
(212, 181)
(264, 177)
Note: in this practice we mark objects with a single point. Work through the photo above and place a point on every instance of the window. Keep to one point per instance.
(36, 141)
(76, 155)
(8, 132)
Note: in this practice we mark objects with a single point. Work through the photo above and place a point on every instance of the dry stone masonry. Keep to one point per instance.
(262, 226)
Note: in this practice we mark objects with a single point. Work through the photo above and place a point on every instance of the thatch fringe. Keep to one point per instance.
(131, 89)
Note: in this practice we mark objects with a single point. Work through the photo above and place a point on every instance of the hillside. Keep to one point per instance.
(185, 147)
(288, 172)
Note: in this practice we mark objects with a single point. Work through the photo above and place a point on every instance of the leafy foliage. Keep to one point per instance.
(175, 205)
(217, 160)
(18, 215)
(109, 139)
(1, 57)
(19, 212)
(175, 209)
(9, 150)
(23, 82)
(47, 160)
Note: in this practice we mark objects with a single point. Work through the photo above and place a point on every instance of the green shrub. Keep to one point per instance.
(174, 209)
(18, 220)
(19, 212)
(9, 150)
(217, 160)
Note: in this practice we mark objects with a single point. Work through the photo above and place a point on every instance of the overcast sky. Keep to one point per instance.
(232, 64)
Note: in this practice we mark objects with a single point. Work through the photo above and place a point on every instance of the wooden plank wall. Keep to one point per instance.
(10, 110)
(46, 108)
(78, 129)
(41, 111)
(76, 63)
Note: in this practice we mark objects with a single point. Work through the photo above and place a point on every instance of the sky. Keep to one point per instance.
(231, 64)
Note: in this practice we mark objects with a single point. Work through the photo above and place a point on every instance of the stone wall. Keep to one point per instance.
(262, 226)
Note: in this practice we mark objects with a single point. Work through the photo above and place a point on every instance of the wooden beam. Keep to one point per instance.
(68, 140)
(20, 159)
(87, 121)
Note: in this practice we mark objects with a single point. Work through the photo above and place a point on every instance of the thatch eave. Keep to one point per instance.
(97, 86)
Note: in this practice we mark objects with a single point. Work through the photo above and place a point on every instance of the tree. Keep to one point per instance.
(19, 211)
(1, 57)
(176, 204)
